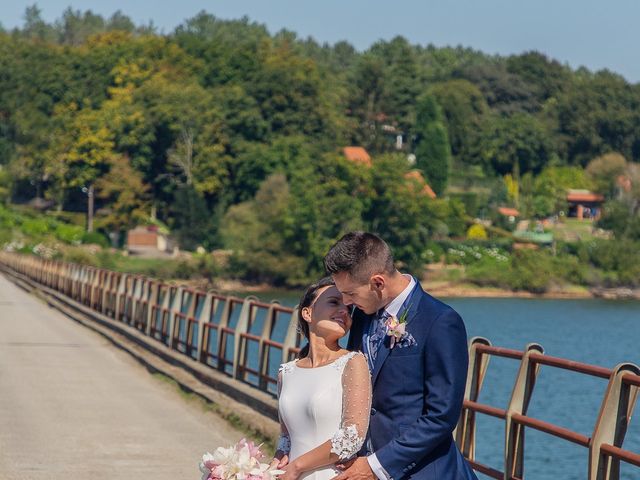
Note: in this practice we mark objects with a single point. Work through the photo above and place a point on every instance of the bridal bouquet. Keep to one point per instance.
(240, 462)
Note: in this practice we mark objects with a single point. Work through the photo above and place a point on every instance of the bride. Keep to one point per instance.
(324, 395)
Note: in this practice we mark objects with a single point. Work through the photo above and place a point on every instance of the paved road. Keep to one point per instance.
(72, 406)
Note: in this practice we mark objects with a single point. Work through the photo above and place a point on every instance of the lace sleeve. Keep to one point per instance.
(356, 407)
(284, 442)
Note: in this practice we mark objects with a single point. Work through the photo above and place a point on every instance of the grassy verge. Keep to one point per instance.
(268, 445)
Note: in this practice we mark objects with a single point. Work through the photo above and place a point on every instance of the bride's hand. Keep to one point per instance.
(279, 463)
(284, 461)
(291, 472)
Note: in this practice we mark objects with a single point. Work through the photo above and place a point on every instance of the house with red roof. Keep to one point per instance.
(418, 179)
(584, 204)
(357, 155)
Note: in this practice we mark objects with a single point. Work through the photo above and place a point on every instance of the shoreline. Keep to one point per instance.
(462, 290)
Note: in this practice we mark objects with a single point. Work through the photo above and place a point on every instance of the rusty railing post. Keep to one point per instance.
(519, 403)
(263, 350)
(465, 432)
(152, 306)
(175, 305)
(291, 336)
(247, 315)
(611, 426)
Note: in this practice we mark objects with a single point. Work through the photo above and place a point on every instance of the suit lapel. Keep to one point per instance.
(383, 353)
(412, 304)
(366, 326)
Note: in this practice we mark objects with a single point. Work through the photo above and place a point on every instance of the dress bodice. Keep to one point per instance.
(318, 404)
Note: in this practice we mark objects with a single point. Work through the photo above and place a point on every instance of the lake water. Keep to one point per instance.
(597, 332)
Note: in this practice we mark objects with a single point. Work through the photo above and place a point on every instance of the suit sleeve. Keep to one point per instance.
(445, 364)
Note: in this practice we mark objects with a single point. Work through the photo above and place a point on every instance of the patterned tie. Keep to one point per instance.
(377, 337)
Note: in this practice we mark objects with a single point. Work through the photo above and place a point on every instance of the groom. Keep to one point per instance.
(417, 352)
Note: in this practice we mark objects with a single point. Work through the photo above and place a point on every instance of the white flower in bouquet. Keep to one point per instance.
(240, 462)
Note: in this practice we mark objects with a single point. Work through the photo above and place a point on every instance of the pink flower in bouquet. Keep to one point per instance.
(239, 462)
(210, 469)
(254, 450)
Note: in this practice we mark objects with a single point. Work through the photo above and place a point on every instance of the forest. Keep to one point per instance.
(231, 137)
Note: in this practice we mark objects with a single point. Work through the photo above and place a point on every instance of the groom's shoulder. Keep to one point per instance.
(434, 307)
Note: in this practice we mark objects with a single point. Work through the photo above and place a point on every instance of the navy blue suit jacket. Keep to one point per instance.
(418, 393)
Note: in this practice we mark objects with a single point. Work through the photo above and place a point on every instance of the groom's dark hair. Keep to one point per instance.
(360, 254)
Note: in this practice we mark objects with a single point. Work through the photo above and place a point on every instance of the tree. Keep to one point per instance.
(548, 77)
(551, 186)
(432, 144)
(605, 170)
(75, 26)
(258, 232)
(34, 26)
(90, 151)
(127, 196)
(516, 144)
(366, 102)
(119, 21)
(596, 115)
(193, 223)
(402, 77)
(504, 92)
(622, 214)
(400, 212)
(463, 107)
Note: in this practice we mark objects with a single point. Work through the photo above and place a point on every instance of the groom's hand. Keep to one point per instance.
(343, 466)
(359, 470)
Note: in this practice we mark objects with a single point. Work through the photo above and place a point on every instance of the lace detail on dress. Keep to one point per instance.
(284, 444)
(356, 405)
(286, 367)
(346, 442)
(342, 361)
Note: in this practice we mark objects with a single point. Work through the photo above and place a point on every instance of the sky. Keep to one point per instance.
(596, 34)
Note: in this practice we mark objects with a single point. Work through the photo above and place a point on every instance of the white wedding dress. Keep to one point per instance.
(327, 403)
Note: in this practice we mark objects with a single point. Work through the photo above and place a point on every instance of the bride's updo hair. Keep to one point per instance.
(307, 299)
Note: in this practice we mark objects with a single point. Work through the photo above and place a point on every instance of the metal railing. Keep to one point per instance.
(604, 445)
(243, 337)
(248, 340)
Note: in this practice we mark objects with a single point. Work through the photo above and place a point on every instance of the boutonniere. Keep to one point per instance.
(397, 330)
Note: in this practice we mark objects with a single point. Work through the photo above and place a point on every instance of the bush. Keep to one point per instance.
(183, 270)
(95, 238)
(35, 227)
(277, 270)
(71, 234)
(106, 260)
(476, 232)
(529, 270)
(79, 256)
(5, 236)
(207, 267)
(488, 273)
(569, 268)
(432, 253)
(473, 202)
(8, 219)
(621, 257)
(470, 253)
